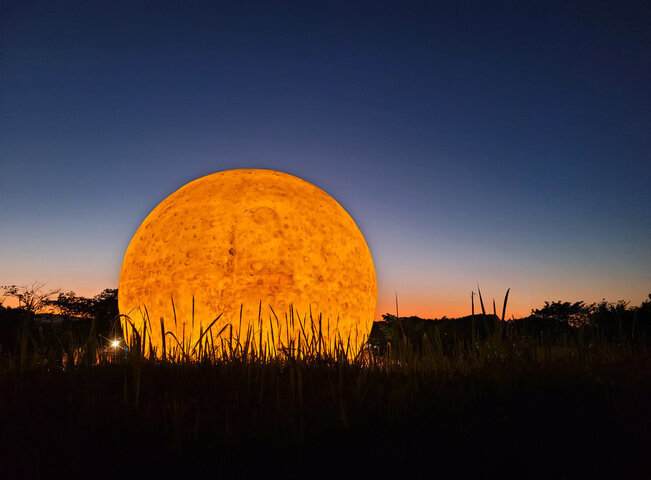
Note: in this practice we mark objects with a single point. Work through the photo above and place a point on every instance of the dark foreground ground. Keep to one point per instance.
(553, 419)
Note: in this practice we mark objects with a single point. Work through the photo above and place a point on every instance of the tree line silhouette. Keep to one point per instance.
(44, 314)
(54, 317)
(555, 323)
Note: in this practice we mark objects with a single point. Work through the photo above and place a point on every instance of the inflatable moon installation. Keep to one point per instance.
(277, 257)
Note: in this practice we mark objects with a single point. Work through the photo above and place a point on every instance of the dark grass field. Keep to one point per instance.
(557, 413)
(476, 397)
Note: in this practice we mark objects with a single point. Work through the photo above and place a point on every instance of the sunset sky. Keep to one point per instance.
(472, 142)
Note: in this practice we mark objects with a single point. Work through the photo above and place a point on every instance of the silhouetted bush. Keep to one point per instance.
(556, 323)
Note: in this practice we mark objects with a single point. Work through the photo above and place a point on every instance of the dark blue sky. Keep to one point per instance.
(505, 143)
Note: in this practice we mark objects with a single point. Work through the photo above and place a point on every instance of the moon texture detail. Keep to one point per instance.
(242, 243)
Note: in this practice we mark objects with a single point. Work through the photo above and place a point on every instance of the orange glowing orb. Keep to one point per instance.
(241, 243)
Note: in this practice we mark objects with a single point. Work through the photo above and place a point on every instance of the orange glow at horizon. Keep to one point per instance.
(423, 308)
(426, 309)
(434, 305)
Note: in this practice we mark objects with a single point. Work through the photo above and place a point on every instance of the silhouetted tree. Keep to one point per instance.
(572, 314)
(646, 305)
(71, 305)
(31, 298)
(618, 321)
(103, 308)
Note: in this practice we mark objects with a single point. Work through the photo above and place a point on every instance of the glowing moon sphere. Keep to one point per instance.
(244, 242)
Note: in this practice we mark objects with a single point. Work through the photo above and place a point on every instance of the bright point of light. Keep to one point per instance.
(115, 344)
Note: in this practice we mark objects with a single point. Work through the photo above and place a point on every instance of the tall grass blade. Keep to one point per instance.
(506, 299)
(481, 301)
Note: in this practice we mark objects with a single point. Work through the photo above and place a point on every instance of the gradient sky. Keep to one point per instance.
(499, 143)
